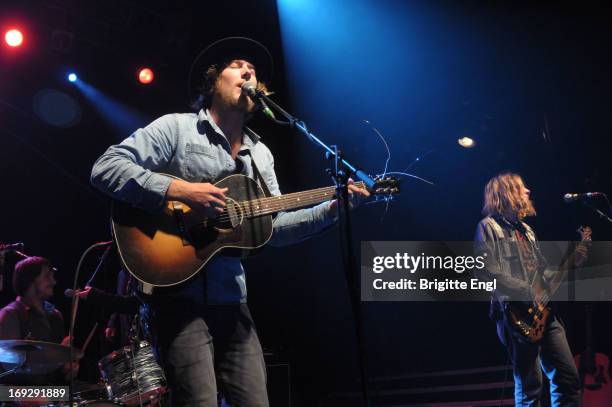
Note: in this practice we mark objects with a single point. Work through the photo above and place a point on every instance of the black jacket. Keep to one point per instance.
(496, 240)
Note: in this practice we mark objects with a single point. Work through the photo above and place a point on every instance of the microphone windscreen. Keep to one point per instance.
(250, 88)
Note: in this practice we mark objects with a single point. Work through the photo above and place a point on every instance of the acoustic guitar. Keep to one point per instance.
(169, 247)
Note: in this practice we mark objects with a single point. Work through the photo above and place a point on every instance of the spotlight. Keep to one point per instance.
(72, 77)
(466, 142)
(13, 38)
(145, 76)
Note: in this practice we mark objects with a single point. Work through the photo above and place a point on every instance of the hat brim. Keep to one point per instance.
(225, 50)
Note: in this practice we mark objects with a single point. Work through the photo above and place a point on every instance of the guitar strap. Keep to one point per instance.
(510, 246)
(259, 178)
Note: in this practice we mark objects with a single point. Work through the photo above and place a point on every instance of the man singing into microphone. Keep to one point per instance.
(207, 338)
(514, 259)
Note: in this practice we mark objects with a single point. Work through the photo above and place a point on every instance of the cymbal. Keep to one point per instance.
(38, 357)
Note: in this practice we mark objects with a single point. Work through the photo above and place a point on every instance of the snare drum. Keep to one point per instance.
(133, 376)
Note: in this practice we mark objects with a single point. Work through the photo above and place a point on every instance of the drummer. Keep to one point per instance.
(32, 317)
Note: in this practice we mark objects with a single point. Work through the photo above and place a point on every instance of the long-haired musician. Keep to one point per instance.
(522, 273)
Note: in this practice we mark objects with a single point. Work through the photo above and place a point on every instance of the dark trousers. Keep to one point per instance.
(209, 349)
(553, 356)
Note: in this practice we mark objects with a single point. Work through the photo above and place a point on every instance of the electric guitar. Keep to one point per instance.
(169, 247)
(529, 322)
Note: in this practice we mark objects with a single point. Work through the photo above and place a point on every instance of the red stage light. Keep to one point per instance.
(145, 76)
(13, 38)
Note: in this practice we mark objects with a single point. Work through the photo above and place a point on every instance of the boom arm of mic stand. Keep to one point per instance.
(100, 263)
(600, 213)
(299, 125)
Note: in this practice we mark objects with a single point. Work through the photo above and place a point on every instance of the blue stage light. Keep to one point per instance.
(121, 118)
(72, 77)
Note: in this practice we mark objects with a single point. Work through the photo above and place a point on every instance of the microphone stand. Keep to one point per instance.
(599, 212)
(340, 175)
(75, 303)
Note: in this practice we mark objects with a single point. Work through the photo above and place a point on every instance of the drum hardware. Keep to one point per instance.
(133, 375)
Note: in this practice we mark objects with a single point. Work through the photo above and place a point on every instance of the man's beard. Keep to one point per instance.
(241, 105)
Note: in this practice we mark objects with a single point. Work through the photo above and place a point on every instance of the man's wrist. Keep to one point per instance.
(177, 190)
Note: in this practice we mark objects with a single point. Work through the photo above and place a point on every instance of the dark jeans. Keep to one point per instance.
(206, 349)
(552, 355)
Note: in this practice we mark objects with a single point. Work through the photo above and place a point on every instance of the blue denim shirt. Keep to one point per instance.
(195, 149)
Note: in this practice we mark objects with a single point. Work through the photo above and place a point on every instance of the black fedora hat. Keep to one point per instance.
(225, 50)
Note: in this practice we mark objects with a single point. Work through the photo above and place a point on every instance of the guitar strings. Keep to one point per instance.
(250, 211)
(536, 305)
(278, 203)
(546, 298)
(251, 205)
(297, 194)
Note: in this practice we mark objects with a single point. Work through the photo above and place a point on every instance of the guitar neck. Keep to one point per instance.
(560, 276)
(274, 204)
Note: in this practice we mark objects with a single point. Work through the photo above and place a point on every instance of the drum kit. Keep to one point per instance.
(130, 376)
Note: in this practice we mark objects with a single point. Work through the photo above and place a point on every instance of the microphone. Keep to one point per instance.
(251, 91)
(576, 197)
(69, 292)
(12, 247)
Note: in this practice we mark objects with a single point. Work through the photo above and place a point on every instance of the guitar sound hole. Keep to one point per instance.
(221, 223)
(229, 219)
(232, 217)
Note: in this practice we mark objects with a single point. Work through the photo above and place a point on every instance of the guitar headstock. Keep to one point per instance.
(385, 186)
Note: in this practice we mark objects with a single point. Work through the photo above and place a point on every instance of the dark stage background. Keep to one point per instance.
(529, 82)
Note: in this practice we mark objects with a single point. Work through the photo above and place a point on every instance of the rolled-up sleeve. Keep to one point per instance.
(295, 226)
(128, 171)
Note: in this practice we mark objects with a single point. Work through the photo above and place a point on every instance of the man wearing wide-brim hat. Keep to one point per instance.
(205, 334)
